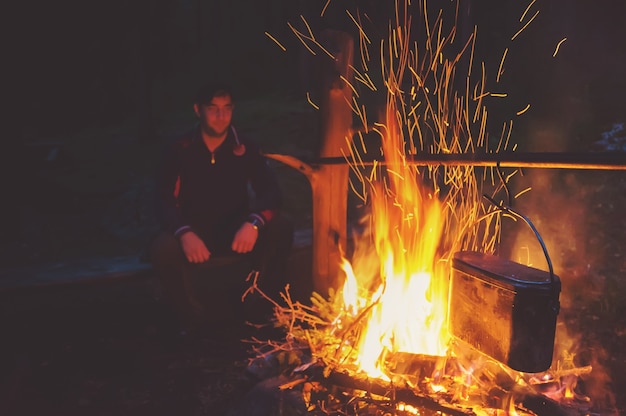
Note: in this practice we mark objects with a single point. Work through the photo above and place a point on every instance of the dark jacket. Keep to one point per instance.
(201, 191)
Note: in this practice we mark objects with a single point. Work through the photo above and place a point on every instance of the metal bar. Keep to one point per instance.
(567, 160)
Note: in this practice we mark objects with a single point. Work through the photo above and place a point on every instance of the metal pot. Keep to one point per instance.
(504, 309)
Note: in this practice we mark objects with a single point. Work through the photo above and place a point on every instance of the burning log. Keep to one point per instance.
(398, 399)
(396, 395)
(527, 399)
(310, 386)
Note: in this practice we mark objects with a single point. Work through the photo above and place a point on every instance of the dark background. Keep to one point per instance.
(71, 65)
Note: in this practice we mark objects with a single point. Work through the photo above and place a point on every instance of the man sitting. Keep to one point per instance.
(216, 196)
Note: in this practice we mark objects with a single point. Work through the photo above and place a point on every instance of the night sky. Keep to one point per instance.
(73, 64)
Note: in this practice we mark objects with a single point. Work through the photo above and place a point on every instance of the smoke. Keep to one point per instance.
(578, 214)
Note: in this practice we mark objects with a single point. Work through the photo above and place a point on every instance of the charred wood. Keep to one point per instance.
(400, 395)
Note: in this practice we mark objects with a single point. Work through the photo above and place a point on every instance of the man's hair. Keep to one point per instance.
(207, 92)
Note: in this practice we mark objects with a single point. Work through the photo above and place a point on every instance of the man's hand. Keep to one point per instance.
(245, 238)
(194, 248)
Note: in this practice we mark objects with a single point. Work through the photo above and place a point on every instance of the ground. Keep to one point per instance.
(114, 350)
(109, 347)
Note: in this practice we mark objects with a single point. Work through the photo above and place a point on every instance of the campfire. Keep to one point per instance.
(425, 318)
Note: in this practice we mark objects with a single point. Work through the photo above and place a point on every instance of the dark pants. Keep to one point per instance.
(269, 258)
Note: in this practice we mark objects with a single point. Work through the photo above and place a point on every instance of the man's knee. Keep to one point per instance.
(165, 249)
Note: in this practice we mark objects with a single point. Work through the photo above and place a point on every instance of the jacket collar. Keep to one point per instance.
(230, 141)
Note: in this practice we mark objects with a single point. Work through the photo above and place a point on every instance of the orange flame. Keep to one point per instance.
(408, 306)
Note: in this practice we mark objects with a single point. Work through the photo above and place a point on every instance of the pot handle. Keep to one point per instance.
(510, 210)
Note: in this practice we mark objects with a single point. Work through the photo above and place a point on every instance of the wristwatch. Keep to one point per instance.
(256, 223)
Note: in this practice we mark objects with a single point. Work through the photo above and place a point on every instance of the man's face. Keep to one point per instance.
(216, 116)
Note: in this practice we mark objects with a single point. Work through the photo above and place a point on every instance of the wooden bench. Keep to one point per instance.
(105, 269)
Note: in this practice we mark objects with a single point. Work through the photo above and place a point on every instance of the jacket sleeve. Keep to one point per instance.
(167, 187)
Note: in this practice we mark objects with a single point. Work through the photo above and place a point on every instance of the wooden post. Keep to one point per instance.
(330, 183)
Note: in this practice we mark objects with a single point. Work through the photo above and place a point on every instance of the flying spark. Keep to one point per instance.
(519, 113)
(275, 41)
(558, 45)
